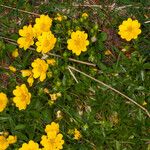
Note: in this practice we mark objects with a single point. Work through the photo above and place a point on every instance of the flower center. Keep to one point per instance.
(130, 29)
(43, 25)
(78, 42)
(40, 68)
(28, 37)
(24, 97)
(1, 103)
(46, 43)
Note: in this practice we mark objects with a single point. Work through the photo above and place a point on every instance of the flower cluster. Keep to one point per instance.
(60, 17)
(46, 39)
(53, 97)
(52, 141)
(41, 36)
(40, 31)
(5, 142)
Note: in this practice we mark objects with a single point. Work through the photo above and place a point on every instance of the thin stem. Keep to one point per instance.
(111, 6)
(5, 38)
(113, 89)
(147, 21)
(87, 5)
(20, 10)
(96, 6)
(126, 6)
(73, 75)
(82, 62)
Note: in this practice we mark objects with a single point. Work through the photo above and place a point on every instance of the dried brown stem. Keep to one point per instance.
(20, 10)
(73, 75)
(110, 6)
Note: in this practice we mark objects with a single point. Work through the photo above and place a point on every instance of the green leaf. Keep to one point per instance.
(101, 45)
(103, 36)
(10, 47)
(146, 66)
(21, 136)
(118, 145)
(20, 127)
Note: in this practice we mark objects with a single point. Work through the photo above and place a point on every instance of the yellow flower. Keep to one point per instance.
(55, 143)
(129, 29)
(22, 97)
(59, 17)
(78, 42)
(46, 42)
(3, 101)
(5, 133)
(55, 96)
(11, 68)
(3, 143)
(11, 139)
(53, 127)
(49, 74)
(69, 32)
(43, 24)
(30, 80)
(85, 15)
(70, 131)
(26, 73)
(46, 90)
(144, 103)
(59, 115)
(58, 94)
(15, 53)
(108, 52)
(30, 146)
(77, 134)
(27, 37)
(39, 69)
(51, 62)
(114, 118)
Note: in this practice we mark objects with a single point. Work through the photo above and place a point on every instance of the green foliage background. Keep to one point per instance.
(87, 105)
